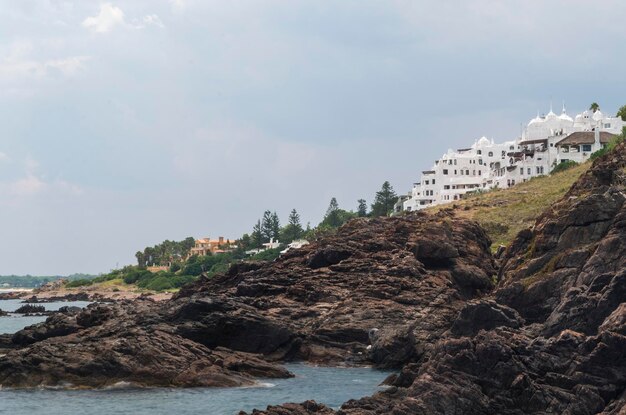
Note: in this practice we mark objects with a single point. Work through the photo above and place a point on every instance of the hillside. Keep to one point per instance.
(503, 213)
(541, 329)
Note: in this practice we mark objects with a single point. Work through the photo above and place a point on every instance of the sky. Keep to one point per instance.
(126, 123)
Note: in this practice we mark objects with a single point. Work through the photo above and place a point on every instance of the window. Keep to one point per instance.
(426, 181)
(473, 172)
(446, 187)
(512, 148)
(529, 171)
(467, 172)
(433, 181)
(607, 125)
(455, 173)
(480, 161)
(455, 162)
(479, 152)
(462, 172)
(491, 154)
(480, 172)
(521, 171)
(503, 153)
(445, 171)
(586, 147)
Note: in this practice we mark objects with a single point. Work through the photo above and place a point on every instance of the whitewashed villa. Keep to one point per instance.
(545, 142)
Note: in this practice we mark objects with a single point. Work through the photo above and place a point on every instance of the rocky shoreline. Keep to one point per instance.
(540, 329)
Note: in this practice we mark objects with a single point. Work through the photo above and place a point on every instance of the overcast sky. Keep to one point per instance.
(125, 123)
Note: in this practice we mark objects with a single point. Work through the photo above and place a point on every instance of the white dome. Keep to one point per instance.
(483, 141)
(536, 120)
(598, 115)
(565, 117)
(551, 115)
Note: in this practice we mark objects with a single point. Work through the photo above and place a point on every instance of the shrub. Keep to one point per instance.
(564, 166)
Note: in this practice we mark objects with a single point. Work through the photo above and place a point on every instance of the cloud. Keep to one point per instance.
(32, 183)
(30, 68)
(109, 17)
(178, 5)
(150, 19)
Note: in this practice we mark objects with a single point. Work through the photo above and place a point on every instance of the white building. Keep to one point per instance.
(545, 142)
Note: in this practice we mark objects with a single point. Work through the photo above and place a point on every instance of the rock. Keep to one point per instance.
(485, 315)
(31, 309)
(316, 304)
(393, 348)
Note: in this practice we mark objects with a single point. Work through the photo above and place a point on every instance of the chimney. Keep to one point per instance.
(221, 238)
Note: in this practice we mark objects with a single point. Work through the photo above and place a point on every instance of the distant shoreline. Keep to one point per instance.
(15, 290)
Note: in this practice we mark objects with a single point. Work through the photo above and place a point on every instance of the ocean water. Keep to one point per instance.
(15, 322)
(331, 386)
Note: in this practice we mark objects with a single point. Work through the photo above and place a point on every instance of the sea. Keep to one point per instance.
(331, 386)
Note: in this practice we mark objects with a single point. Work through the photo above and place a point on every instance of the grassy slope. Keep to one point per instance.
(505, 212)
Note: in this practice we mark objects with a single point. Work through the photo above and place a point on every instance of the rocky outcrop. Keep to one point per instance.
(551, 338)
(408, 277)
(414, 292)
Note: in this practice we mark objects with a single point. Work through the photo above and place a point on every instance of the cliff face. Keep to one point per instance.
(549, 337)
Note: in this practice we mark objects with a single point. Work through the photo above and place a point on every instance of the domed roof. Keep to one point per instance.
(483, 141)
(597, 115)
(551, 115)
(565, 117)
(536, 120)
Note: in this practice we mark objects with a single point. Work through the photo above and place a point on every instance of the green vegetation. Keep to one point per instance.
(610, 146)
(622, 112)
(564, 166)
(31, 281)
(594, 107)
(505, 212)
(165, 253)
(384, 201)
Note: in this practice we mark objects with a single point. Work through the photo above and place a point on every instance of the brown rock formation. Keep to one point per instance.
(549, 338)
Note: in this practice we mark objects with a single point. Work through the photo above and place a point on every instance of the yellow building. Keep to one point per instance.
(206, 246)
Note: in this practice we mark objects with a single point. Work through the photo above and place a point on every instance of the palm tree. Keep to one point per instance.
(594, 107)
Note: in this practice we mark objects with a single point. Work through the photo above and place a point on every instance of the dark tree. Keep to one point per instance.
(362, 209)
(275, 224)
(256, 238)
(293, 230)
(332, 217)
(141, 261)
(267, 228)
(384, 201)
(594, 107)
(622, 113)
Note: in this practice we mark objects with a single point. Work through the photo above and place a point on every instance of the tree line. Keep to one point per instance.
(268, 227)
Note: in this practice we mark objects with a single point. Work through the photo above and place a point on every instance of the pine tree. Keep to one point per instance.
(267, 230)
(293, 230)
(384, 200)
(362, 209)
(332, 218)
(256, 239)
(275, 222)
